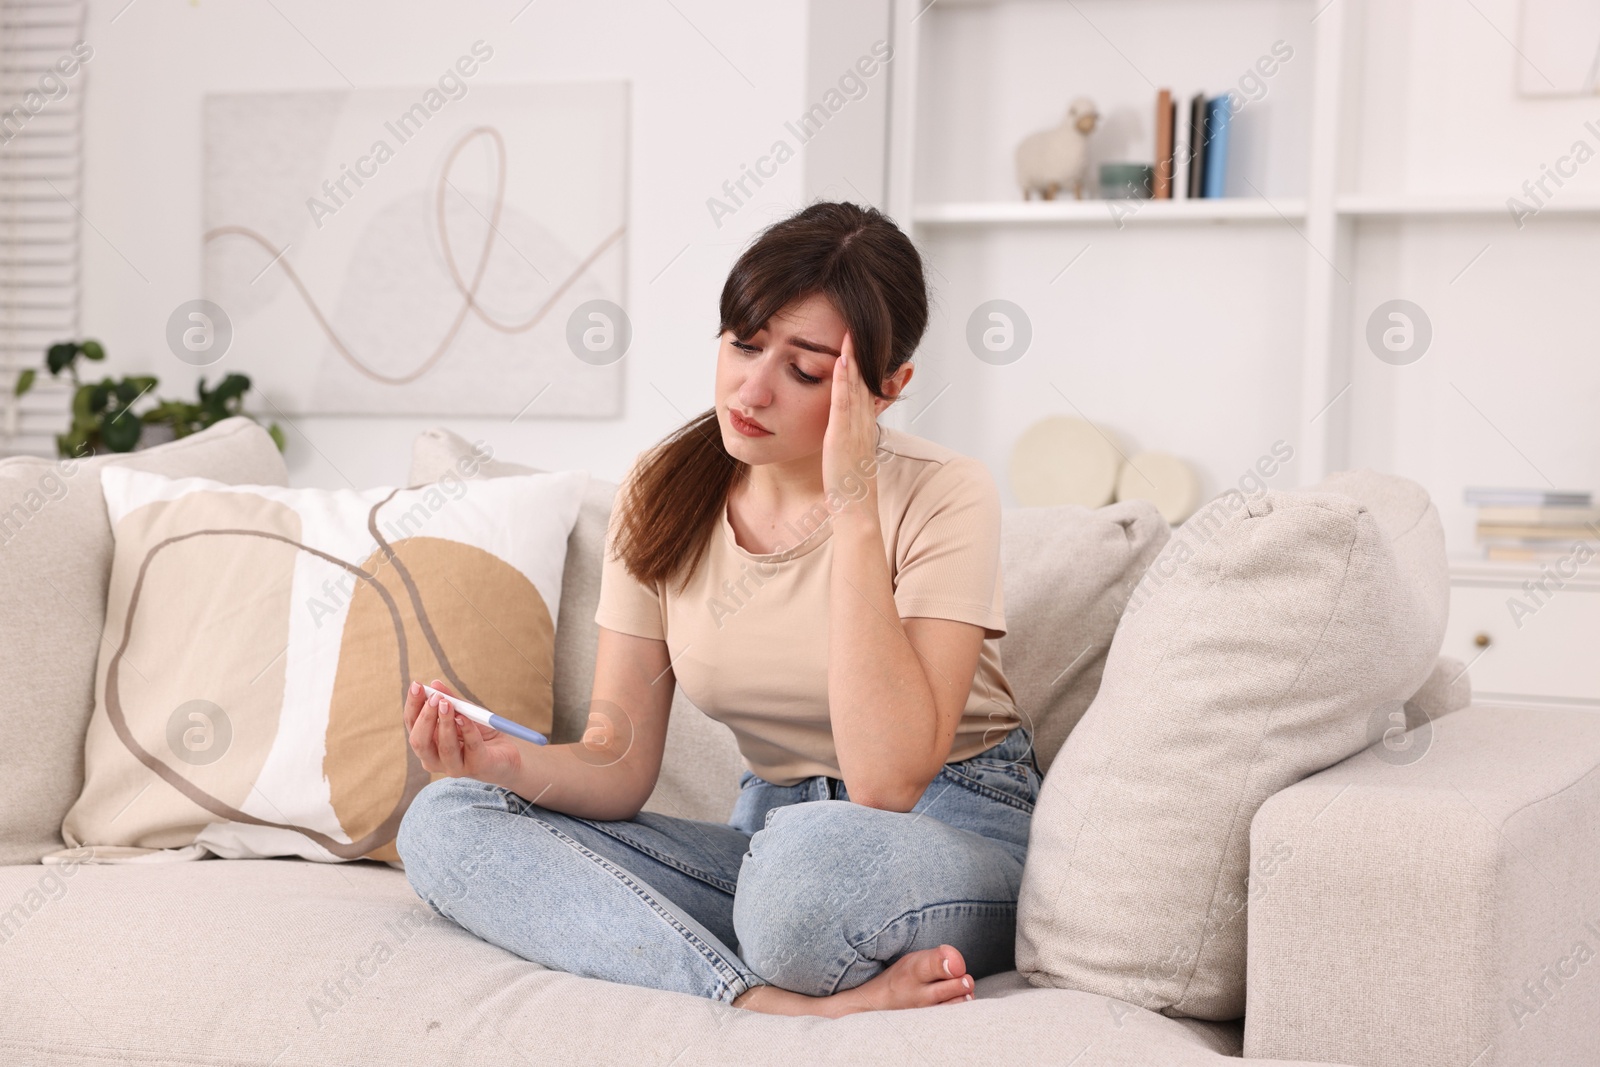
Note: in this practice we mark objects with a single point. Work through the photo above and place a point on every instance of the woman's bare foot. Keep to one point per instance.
(915, 980)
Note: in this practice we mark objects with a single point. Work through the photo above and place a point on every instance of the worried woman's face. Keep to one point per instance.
(782, 379)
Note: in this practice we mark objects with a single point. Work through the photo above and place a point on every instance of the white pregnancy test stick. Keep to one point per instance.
(489, 718)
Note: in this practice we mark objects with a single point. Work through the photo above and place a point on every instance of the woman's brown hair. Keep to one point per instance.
(869, 271)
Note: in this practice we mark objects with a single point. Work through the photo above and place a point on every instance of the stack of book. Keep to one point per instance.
(1533, 524)
(1191, 156)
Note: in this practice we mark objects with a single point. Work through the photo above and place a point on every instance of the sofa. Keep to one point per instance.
(1443, 906)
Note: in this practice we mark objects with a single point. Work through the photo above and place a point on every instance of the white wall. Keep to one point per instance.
(711, 92)
(1185, 342)
(1509, 393)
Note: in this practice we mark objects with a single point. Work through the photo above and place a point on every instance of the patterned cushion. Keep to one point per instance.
(260, 640)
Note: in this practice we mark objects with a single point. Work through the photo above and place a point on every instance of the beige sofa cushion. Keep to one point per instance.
(1068, 571)
(1253, 654)
(55, 561)
(1447, 689)
(285, 961)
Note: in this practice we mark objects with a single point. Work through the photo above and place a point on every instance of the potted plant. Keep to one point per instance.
(103, 419)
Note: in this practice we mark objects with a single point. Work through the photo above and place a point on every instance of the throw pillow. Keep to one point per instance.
(260, 641)
(1068, 570)
(55, 561)
(1252, 655)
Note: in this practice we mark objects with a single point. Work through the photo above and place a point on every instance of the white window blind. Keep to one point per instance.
(41, 170)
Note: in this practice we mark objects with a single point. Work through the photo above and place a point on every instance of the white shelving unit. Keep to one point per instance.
(1391, 98)
(1359, 206)
(1110, 212)
(1323, 215)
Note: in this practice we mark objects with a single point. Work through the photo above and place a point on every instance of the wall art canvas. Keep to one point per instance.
(433, 250)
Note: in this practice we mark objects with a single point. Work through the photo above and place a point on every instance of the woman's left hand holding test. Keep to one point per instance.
(449, 742)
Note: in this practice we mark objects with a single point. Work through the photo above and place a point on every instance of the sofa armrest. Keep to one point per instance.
(1434, 904)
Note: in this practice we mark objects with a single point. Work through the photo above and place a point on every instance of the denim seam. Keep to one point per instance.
(674, 862)
(971, 783)
(918, 912)
(671, 861)
(734, 987)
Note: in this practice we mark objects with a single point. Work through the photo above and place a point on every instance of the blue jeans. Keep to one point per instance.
(801, 889)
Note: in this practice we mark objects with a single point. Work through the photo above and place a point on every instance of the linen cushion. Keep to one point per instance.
(1253, 654)
(289, 962)
(1068, 571)
(1447, 689)
(260, 642)
(55, 562)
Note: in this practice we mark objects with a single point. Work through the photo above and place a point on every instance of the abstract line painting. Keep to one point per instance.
(378, 256)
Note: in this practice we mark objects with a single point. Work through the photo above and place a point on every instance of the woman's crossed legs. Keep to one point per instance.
(837, 907)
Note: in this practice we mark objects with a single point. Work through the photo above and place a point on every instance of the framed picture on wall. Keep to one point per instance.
(409, 251)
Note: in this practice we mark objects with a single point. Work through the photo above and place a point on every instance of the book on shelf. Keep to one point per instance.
(1166, 120)
(1218, 118)
(1197, 146)
(1536, 513)
(1523, 554)
(1529, 498)
(1534, 531)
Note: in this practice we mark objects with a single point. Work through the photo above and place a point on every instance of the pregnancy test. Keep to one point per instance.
(489, 718)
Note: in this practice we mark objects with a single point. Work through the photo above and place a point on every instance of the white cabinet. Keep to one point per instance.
(1545, 653)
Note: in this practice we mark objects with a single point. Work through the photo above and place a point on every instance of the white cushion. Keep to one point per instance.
(1068, 571)
(1252, 655)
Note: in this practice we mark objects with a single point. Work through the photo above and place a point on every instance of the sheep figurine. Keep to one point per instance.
(1050, 159)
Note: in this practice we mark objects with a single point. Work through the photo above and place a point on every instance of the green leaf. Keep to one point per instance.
(231, 388)
(277, 436)
(166, 411)
(99, 395)
(25, 381)
(58, 356)
(74, 442)
(132, 387)
(122, 433)
(93, 350)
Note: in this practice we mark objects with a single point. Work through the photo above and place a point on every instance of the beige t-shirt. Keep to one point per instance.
(748, 635)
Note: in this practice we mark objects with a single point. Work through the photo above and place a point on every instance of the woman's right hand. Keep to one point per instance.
(445, 740)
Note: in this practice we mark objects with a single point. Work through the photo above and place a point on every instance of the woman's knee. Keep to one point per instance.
(436, 841)
(817, 878)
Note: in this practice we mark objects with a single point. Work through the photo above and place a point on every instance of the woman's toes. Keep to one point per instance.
(951, 989)
(932, 966)
(948, 962)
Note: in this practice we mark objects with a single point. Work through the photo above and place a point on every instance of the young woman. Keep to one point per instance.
(830, 590)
